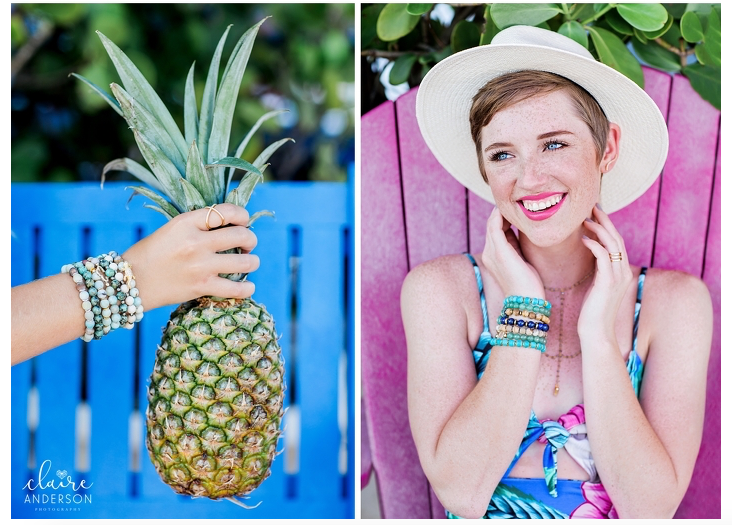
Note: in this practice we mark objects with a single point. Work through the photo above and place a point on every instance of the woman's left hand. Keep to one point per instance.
(611, 282)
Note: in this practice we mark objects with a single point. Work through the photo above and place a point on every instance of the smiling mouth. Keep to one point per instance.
(543, 204)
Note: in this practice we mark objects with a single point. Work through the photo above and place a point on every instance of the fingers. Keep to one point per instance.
(232, 237)
(600, 253)
(222, 287)
(235, 263)
(212, 217)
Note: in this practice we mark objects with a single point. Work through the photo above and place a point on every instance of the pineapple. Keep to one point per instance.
(215, 396)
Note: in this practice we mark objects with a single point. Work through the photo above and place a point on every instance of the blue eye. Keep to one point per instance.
(553, 145)
(499, 156)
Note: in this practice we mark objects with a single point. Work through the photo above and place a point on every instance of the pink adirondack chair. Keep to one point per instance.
(413, 211)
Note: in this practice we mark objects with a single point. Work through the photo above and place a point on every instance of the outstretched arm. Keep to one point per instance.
(176, 263)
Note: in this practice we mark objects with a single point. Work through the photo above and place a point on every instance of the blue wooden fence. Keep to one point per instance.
(78, 410)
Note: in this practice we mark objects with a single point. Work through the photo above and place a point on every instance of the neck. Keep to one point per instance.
(561, 265)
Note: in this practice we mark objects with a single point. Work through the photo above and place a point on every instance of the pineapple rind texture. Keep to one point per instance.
(215, 398)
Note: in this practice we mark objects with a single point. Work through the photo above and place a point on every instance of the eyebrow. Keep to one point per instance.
(553, 133)
(539, 137)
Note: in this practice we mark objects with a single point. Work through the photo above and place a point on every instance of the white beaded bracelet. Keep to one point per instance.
(108, 292)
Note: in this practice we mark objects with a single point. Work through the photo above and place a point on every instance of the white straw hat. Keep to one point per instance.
(445, 97)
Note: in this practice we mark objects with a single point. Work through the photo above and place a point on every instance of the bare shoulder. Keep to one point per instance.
(676, 291)
(677, 309)
(440, 278)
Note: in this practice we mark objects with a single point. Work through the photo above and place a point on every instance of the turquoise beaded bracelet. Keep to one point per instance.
(523, 306)
(532, 304)
(108, 292)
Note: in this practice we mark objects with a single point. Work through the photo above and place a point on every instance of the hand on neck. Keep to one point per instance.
(562, 264)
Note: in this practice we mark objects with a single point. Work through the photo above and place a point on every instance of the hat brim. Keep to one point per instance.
(445, 97)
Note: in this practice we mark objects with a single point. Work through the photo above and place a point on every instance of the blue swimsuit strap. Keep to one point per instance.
(483, 349)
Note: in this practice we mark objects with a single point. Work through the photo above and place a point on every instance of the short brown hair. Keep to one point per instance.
(511, 88)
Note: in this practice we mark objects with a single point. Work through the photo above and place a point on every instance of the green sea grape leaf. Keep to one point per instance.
(401, 69)
(707, 81)
(418, 9)
(369, 17)
(490, 30)
(190, 109)
(646, 17)
(618, 23)
(506, 15)
(106, 96)
(464, 36)
(713, 38)
(134, 168)
(139, 118)
(658, 57)
(612, 52)
(691, 27)
(395, 22)
(640, 36)
(575, 31)
(140, 89)
(652, 35)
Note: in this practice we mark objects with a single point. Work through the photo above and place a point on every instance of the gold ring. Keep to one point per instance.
(208, 215)
(616, 257)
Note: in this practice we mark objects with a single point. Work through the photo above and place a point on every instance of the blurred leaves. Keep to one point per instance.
(302, 61)
(676, 38)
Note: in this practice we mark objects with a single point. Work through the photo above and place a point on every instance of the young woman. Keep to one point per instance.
(590, 407)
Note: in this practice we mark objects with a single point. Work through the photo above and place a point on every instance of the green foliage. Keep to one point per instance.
(507, 15)
(302, 61)
(676, 38)
(395, 22)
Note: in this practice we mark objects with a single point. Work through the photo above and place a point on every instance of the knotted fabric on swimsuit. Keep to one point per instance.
(568, 432)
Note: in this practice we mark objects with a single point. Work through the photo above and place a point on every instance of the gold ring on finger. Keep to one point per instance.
(616, 256)
(208, 215)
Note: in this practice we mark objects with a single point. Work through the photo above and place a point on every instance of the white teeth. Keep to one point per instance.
(542, 205)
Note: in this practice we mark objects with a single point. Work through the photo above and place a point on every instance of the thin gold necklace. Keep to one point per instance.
(559, 356)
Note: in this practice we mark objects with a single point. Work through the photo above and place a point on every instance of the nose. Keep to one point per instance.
(534, 173)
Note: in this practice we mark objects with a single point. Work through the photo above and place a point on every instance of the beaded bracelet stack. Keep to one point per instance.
(108, 294)
(524, 322)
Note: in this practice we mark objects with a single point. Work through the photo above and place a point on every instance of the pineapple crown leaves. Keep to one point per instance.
(191, 169)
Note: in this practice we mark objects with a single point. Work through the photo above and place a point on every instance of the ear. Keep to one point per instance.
(612, 149)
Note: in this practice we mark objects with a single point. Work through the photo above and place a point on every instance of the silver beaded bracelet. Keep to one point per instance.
(108, 294)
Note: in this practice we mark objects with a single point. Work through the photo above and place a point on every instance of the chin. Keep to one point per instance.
(545, 239)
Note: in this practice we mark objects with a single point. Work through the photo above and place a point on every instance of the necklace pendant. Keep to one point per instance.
(556, 390)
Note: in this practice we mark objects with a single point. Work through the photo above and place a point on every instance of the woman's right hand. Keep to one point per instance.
(179, 261)
(503, 259)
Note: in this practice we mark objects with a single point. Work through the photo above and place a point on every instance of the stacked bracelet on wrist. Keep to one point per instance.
(108, 294)
(524, 321)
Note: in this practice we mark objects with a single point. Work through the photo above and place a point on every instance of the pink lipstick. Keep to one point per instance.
(532, 201)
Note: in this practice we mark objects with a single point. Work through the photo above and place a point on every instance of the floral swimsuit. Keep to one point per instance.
(551, 497)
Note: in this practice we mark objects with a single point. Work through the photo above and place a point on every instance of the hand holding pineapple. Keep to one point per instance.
(179, 262)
